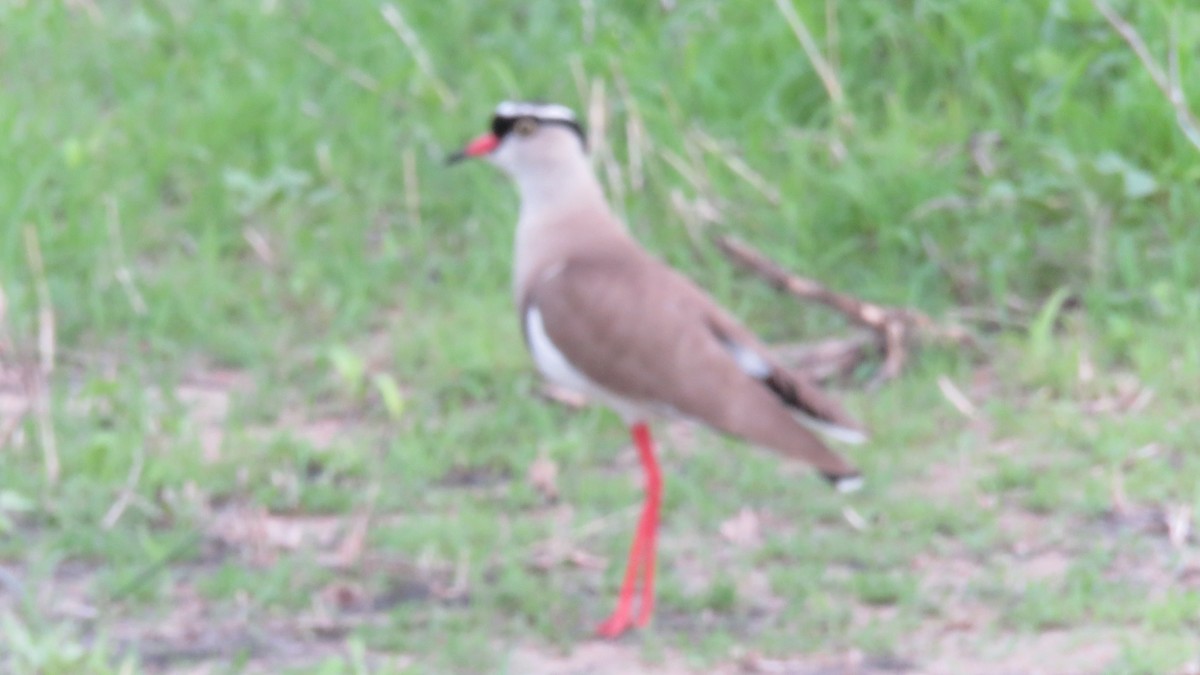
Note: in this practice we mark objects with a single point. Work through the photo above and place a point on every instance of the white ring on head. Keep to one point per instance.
(542, 111)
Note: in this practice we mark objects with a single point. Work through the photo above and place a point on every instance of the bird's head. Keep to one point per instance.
(529, 137)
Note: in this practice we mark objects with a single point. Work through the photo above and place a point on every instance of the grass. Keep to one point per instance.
(275, 311)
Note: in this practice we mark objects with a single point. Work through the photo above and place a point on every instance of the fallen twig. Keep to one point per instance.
(127, 492)
(349, 551)
(123, 273)
(827, 359)
(957, 398)
(855, 519)
(895, 328)
(990, 319)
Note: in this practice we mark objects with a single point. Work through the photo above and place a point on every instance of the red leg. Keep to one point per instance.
(645, 446)
(619, 620)
(642, 553)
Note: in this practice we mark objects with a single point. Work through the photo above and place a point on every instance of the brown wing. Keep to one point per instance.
(640, 330)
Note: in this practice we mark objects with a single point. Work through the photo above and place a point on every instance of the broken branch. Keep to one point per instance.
(895, 328)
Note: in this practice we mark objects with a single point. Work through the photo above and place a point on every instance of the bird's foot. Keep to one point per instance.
(622, 620)
(616, 625)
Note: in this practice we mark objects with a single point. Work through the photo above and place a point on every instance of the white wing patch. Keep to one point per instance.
(748, 360)
(753, 364)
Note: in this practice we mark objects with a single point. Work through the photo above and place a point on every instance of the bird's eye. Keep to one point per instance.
(525, 126)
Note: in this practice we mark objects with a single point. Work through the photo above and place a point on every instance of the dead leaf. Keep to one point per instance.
(982, 146)
(207, 395)
(1087, 369)
(588, 561)
(343, 595)
(460, 585)
(959, 624)
(1178, 519)
(260, 535)
(350, 551)
(743, 530)
(562, 396)
(551, 554)
(754, 587)
(543, 476)
(1148, 451)
(1128, 394)
(1120, 499)
(754, 662)
(260, 245)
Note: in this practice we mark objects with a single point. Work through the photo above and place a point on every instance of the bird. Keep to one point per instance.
(602, 316)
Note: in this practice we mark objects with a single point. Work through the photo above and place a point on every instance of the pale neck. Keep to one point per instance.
(561, 208)
(547, 191)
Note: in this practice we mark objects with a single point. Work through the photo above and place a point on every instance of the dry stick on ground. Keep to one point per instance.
(896, 328)
(128, 492)
(1169, 82)
(827, 359)
(123, 272)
